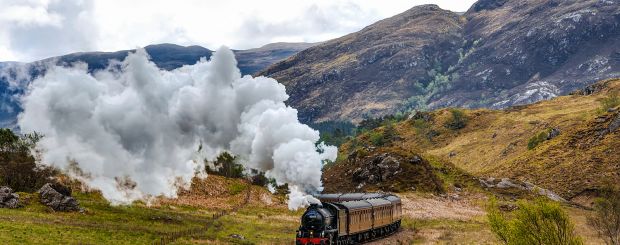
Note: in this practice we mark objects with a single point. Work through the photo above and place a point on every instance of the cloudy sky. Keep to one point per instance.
(36, 29)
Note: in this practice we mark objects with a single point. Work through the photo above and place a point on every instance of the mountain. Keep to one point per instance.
(568, 145)
(15, 76)
(497, 54)
(253, 60)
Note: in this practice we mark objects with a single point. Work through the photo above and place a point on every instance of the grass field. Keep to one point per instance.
(102, 223)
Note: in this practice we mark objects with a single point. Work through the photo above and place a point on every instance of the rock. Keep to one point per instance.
(506, 183)
(54, 196)
(415, 160)
(8, 199)
(381, 168)
(554, 132)
(615, 124)
(452, 154)
(507, 207)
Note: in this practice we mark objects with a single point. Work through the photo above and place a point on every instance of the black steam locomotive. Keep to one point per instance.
(349, 218)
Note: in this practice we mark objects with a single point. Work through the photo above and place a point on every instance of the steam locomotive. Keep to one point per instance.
(349, 218)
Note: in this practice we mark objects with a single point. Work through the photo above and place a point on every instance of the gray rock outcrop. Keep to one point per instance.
(8, 199)
(58, 198)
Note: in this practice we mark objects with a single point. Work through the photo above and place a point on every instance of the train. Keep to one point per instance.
(350, 218)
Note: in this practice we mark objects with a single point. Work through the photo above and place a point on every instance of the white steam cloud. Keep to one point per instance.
(135, 130)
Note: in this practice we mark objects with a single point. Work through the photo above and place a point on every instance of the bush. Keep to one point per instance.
(376, 138)
(538, 138)
(538, 222)
(225, 165)
(610, 102)
(457, 121)
(18, 167)
(606, 217)
(383, 136)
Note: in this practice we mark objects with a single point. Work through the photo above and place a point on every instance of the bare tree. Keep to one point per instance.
(606, 217)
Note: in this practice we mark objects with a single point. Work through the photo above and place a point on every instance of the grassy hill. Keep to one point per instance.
(141, 223)
(514, 142)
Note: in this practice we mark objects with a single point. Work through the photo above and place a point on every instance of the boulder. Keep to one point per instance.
(554, 132)
(8, 199)
(58, 197)
(615, 124)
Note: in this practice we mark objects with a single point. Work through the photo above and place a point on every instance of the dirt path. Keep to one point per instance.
(432, 219)
(418, 207)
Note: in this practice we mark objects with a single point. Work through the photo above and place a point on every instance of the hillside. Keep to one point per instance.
(497, 54)
(568, 144)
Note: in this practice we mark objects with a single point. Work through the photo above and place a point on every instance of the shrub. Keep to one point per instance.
(383, 136)
(538, 138)
(457, 121)
(538, 222)
(18, 167)
(606, 217)
(225, 165)
(376, 138)
(611, 101)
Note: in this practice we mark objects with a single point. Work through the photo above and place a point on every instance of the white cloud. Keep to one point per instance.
(41, 28)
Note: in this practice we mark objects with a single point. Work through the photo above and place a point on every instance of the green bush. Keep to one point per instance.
(538, 222)
(537, 139)
(225, 165)
(606, 217)
(382, 136)
(457, 121)
(376, 138)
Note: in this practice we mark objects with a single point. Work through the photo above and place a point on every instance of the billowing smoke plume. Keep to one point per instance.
(134, 130)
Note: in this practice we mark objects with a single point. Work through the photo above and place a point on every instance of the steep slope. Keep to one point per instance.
(579, 158)
(526, 51)
(497, 54)
(372, 71)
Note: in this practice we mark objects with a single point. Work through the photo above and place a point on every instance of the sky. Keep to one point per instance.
(36, 29)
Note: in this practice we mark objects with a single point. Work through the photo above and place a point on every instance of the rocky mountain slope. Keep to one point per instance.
(15, 76)
(497, 54)
(568, 145)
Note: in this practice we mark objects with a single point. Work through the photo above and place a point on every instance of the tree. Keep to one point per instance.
(606, 217)
(539, 222)
(18, 167)
(226, 165)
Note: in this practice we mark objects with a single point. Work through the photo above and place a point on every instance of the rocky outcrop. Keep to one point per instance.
(381, 168)
(8, 199)
(506, 184)
(58, 197)
(389, 171)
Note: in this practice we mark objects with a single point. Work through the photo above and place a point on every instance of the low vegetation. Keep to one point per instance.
(609, 102)
(537, 139)
(606, 218)
(457, 121)
(536, 222)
